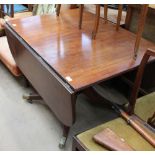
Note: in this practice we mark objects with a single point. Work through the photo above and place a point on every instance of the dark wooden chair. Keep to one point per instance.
(5, 55)
(133, 97)
(96, 24)
(97, 18)
(58, 7)
(140, 28)
(141, 22)
(142, 109)
(142, 17)
(10, 9)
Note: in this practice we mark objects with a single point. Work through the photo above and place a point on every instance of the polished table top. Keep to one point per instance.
(72, 53)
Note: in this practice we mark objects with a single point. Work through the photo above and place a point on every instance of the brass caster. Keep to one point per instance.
(27, 98)
(62, 142)
(29, 101)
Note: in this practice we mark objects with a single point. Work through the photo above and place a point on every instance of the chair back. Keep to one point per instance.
(137, 83)
(6, 9)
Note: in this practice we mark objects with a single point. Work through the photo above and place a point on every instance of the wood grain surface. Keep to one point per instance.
(72, 53)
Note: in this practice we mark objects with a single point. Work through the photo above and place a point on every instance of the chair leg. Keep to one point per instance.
(141, 23)
(128, 17)
(12, 10)
(1, 16)
(58, 7)
(81, 15)
(97, 19)
(2, 11)
(30, 7)
(105, 12)
(120, 8)
(151, 120)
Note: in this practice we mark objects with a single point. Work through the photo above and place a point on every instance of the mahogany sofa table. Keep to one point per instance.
(60, 60)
